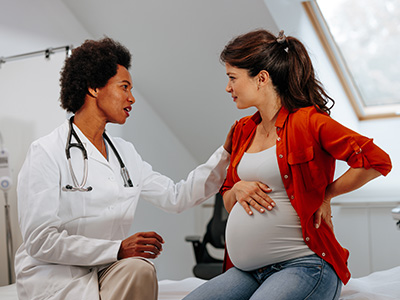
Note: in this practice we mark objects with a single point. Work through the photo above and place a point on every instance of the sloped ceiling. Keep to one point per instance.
(175, 46)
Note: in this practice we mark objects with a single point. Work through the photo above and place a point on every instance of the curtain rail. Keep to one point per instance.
(47, 52)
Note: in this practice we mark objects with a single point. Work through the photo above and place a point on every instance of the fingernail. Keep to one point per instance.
(269, 207)
(262, 210)
(250, 212)
(316, 226)
(273, 204)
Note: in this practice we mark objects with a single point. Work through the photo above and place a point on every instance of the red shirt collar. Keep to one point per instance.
(256, 119)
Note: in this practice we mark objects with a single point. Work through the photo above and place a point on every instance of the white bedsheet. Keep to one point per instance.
(8, 292)
(383, 285)
(168, 289)
(176, 290)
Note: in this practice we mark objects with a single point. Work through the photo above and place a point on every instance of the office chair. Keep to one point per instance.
(207, 266)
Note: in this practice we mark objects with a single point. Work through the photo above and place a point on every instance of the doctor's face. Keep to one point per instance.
(115, 99)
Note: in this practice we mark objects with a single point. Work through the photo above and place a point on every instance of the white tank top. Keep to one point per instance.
(262, 239)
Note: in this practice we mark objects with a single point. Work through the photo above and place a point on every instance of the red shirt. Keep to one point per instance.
(307, 146)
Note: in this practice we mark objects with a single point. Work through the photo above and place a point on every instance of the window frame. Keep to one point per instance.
(332, 50)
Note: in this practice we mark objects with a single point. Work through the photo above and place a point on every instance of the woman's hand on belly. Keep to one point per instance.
(249, 194)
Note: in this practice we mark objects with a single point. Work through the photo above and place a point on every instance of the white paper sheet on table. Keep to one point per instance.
(383, 285)
(168, 289)
(176, 290)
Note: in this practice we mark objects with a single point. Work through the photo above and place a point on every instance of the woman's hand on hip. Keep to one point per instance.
(351, 180)
(252, 194)
(143, 244)
(324, 212)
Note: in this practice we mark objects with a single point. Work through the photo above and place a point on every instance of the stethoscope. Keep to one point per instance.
(81, 187)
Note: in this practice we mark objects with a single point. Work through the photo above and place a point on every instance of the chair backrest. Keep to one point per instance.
(207, 266)
(216, 226)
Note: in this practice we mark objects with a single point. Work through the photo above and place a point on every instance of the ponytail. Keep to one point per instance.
(288, 63)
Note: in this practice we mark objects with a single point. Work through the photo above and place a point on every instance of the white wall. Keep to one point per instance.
(27, 26)
(385, 134)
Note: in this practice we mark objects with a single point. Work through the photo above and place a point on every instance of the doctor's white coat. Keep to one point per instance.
(68, 236)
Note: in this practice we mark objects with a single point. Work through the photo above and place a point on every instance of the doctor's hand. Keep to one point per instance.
(249, 194)
(143, 244)
(228, 141)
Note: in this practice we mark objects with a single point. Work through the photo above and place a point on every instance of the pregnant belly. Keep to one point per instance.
(257, 240)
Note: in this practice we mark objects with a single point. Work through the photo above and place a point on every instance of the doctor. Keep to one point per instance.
(75, 214)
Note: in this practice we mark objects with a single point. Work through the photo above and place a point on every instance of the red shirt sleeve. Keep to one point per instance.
(347, 145)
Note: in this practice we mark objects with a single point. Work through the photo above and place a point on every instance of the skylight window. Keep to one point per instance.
(362, 39)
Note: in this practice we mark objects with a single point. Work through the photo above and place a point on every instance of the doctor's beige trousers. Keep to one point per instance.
(129, 279)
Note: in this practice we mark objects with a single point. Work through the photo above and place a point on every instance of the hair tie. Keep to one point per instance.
(282, 39)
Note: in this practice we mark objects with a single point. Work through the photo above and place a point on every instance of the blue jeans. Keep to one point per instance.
(308, 277)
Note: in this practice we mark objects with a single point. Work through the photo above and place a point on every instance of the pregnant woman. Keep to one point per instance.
(280, 182)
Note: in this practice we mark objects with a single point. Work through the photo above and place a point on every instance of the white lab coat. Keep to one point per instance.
(68, 236)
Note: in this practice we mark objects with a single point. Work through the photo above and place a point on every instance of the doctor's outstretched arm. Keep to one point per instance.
(201, 183)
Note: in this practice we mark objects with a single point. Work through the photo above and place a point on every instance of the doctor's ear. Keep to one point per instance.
(92, 92)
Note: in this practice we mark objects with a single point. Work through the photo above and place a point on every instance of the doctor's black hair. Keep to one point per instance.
(90, 65)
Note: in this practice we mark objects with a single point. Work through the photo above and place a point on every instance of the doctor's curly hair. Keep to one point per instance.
(90, 66)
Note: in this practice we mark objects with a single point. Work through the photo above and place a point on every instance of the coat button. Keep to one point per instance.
(278, 139)
(286, 176)
(307, 239)
(292, 197)
(323, 254)
(280, 156)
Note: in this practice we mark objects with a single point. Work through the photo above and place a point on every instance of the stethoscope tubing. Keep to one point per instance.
(77, 186)
(81, 186)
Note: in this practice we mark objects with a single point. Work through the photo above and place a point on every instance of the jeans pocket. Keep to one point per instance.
(310, 266)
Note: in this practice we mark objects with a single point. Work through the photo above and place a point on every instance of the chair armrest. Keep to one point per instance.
(195, 240)
(192, 238)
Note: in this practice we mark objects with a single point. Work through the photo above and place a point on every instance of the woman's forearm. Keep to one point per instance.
(351, 180)
(229, 200)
